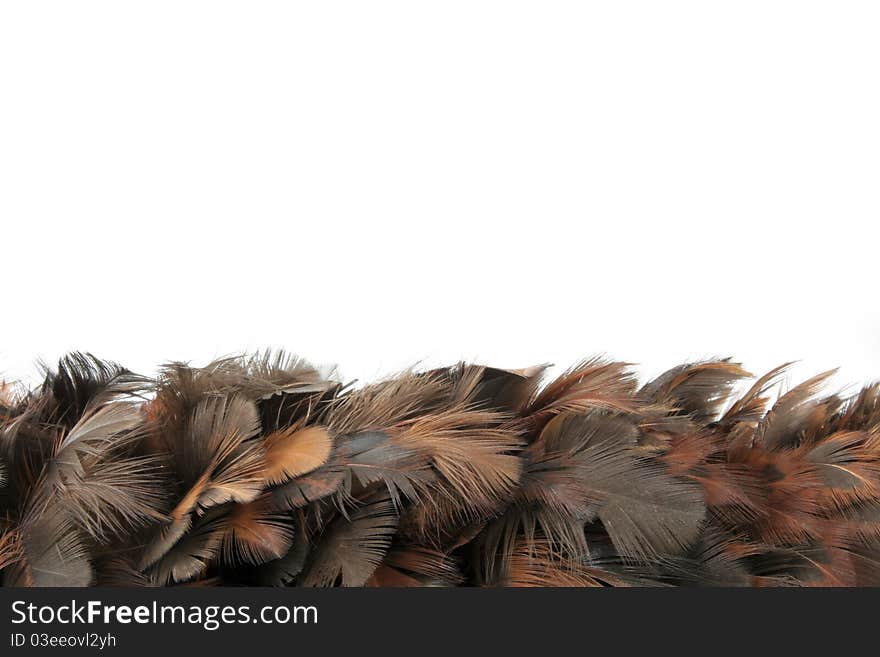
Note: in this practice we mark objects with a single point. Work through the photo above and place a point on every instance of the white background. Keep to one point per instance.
(382, 183)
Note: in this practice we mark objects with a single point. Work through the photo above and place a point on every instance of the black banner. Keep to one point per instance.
(256, 621)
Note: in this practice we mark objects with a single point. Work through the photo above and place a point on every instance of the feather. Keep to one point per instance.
(352, 548)
(645, 510)
(410, 566)
(697, 389)
(780, 427)
(92, 438)
(535, 564)
(218, 462)
(473, 456)
(190, 555)
(751, 406)
(218, 453)
(83, 382)
(284, 570)
(51, 551)
(362, 459)
(11, 549)
(294, 452)
(255, 533)
(849, 468)
(115, 496)
(120, 572)
(593, 384)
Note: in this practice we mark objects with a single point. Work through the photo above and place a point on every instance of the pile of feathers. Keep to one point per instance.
(265, 471)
